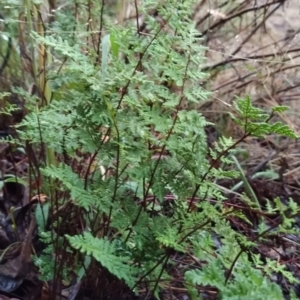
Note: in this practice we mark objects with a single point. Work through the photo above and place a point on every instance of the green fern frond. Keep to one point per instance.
(105, 252)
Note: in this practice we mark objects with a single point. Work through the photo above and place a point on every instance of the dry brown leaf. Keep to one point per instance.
(41, 198)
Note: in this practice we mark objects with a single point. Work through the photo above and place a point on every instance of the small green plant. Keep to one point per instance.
(135, 182)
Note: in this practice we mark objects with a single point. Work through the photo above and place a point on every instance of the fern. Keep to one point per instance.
(105, 253)
(135, 167)
(248, 283)
(256, 122)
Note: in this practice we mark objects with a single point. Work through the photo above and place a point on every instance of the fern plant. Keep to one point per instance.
(135, 185)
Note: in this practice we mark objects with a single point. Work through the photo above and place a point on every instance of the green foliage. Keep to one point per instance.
(248, 283)
(274, 267)
(45, 262)
(106, 253)
(41, 216)
(256, 122)
(136, 167)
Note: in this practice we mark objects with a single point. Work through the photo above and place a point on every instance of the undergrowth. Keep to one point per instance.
(130, 179)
